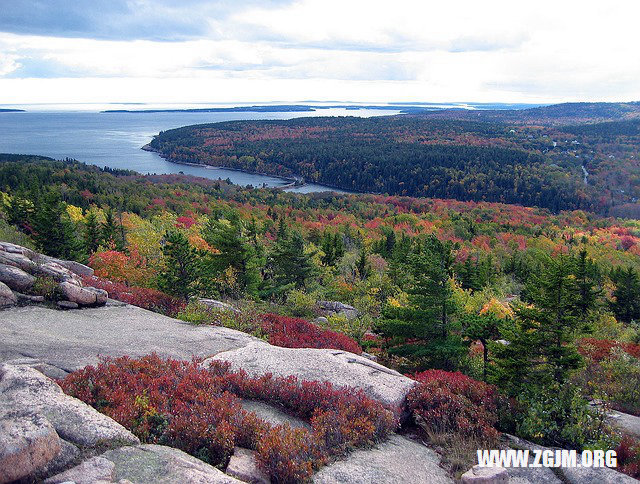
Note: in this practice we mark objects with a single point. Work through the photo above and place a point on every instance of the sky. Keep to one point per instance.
(237, 51)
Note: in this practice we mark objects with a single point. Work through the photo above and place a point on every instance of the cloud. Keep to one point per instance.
(404, 50)
(159, 20)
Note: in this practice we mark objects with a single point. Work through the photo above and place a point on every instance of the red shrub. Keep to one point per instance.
(180, 404)
(600, 349)
(453, 402)
(299, 333)
(628, 454)
(143, 297)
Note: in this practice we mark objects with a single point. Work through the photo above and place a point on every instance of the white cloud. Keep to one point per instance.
(491, 50)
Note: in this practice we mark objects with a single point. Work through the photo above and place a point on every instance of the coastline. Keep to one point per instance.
(292, 182)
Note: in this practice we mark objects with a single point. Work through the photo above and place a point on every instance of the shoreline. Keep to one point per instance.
(291, 182)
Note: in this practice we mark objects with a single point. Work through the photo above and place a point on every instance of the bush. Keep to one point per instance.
(299, 333)
(247, 320)
(120, 267)
(561, 417)
(355, 328)
(47, 287)
(183, 405)
(9, 233)
(150, 299)
(628, 454)
(612, 373)
(301, 304)
(446, 402)
(601, 349)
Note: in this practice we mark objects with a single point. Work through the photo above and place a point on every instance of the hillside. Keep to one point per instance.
(426, 287)
(532, 157)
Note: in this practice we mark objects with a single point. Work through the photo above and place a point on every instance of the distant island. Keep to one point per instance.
(12, 110)
(281, 108)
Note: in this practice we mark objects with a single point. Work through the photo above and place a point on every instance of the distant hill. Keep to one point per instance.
(566, 113)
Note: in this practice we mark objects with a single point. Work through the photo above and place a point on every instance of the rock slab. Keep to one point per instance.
(28, 442)
(26, 388)
(16, 278)
(144, 464)
(7, 297)
(397, 460)
(340, 368)
(485, 475)
(71, 340)
(244, 466)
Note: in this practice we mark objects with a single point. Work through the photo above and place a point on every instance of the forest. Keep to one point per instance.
(435, 284)
(523, 156)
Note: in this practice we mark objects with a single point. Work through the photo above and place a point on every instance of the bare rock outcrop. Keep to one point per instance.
(16, 278)
(28, 442)
(144, 464)
(7, 297)
(398, 459)
(340, 368)
(25, 388)
(244, 466)
(20, 267)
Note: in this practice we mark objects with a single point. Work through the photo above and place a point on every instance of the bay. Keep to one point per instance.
(115, 139)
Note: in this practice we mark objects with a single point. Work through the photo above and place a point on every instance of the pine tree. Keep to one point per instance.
(426, 321)
(19, 210)
(469, 275)
(626, 296)
(333, 248)
(587, 277)
(111, 231)
(362, 264)
(92, 238)
(541, 349)
(236, 250)
(180, 270)
(483, 328)
(53, 230)
(291, 266)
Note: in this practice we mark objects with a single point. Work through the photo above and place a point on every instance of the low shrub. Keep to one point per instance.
(611, 373)
(299, 333)
(47, 287)
(628, 454)
(143, 297)
(560, 416)
(183, 405)
(246, 320)
(450, 402)
(602, 349)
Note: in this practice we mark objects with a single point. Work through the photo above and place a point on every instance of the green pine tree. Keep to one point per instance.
(180, 271)
(626, 296)
(53, 230)
(92, 236)
(484, 328)
(290, 264)
(237, 249)
(427, 320)
(541, 350)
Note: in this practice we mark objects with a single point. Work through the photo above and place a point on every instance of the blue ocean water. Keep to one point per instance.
(116, 139)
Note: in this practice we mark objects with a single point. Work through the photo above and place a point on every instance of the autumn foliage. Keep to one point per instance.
(299, 333)
(628, 454)
(198, 410)
(450, 402)
(601, 349)
(143, 297)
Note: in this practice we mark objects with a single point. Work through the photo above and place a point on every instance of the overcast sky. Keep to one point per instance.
(188, 51)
